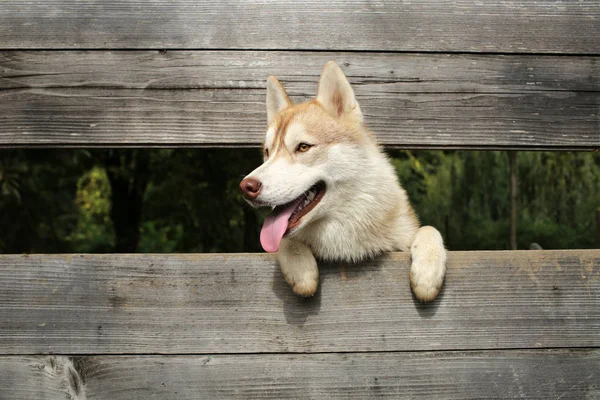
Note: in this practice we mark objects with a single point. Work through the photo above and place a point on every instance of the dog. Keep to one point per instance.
(334, 193)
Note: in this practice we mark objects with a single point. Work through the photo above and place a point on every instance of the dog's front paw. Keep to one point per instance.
(428, 264)
(424, 286)
(306, 287)
(299, 267)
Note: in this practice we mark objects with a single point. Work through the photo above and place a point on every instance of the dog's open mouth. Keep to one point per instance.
(288, 216)
(308, 201)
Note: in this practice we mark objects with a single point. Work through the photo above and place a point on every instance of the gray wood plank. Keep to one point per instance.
(400, 72)
(468, 26)
(217, 98)
(232, 303)
(541, 374)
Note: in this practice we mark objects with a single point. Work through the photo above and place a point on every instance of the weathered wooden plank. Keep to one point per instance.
(217, 98)
(529, 374)
(231, 303)
(196, 118)
(468, 26)
(393, 72)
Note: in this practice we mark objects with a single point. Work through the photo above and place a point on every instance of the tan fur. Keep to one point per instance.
(299, 267)
(319, 123)
(364, 212)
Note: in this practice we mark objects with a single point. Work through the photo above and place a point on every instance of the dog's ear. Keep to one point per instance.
(336, 94)
(277, 98)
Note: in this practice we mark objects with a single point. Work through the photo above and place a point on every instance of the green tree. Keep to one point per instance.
(167, 200)
(94, 230)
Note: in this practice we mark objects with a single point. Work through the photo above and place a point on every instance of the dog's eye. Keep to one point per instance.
(303, 147)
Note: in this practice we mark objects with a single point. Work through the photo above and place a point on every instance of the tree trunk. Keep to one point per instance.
(513, 199)
(128, 173)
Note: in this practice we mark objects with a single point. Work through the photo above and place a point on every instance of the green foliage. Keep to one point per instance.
(466, 195)
(559, 195)
(197, 191)
(160, 239)
(10, 179)
(93, 232)
(37, 211)
(61, 200)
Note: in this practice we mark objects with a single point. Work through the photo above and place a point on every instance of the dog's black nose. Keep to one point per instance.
(250, 188)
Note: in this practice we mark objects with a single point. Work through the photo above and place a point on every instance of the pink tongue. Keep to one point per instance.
(275, 226)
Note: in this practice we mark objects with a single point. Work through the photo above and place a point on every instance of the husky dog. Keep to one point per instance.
(335, 195)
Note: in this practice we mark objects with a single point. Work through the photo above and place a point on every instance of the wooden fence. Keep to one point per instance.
(428, 74)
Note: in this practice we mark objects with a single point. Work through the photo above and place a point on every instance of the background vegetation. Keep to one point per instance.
(189, 201)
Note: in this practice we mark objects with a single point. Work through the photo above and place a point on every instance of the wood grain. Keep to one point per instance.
(528, 374)
(523, 76)
(431, 25)
(394, 72)
(239, 303)
(217, 98)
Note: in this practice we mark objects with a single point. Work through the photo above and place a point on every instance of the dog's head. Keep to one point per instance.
(311, 150)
